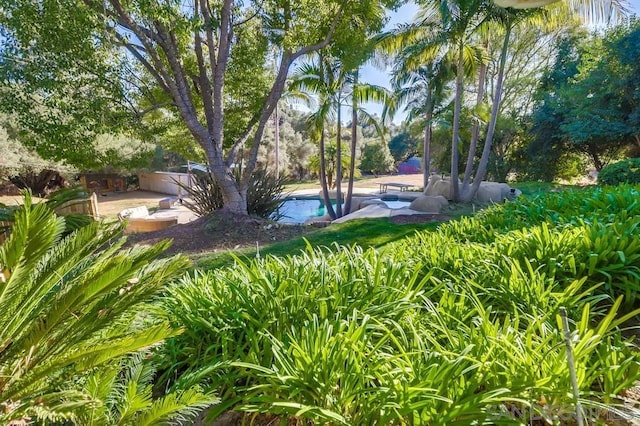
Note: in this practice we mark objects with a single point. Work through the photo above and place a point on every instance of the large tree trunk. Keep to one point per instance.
(454, 189)
(276, 131)
(158, 50)
(495, 110)
(339, 161)
(354, 141)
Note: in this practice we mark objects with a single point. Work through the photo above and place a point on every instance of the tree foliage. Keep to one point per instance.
(625, 171)
(402, 146)
(202, 65)
(376, 158)
(588, 102)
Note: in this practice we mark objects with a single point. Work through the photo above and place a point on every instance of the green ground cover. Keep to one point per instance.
(453, 325)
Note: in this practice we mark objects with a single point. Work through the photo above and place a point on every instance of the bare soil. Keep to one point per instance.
(220, 232)
(112, 203)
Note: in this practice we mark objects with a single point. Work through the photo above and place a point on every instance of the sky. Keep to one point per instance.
(373, 75)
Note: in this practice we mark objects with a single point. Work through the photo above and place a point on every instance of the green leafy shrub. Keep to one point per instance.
(70, 305)
(352, 337)
(625, 171)
(264, 195)
(454, 326)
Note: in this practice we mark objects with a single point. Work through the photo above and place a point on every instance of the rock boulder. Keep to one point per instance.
(429, 203)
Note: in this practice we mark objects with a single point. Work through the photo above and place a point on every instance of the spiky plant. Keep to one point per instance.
(69, 305)
(123, 395)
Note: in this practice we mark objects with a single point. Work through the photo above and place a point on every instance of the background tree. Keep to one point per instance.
(601, 105)
(587, 104)
(403, 146)
(548, 142)
(361, 93)
(197, 57)
(376, 158)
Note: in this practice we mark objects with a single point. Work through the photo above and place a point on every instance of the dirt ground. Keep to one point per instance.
(415, 180)
(220, 232)
(110, 204)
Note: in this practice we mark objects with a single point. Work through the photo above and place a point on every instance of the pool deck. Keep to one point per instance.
(369, 212)
(111, 204)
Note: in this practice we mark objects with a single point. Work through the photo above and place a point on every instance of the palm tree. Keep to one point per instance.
(335, 86)
(70, 305)
(440, 40)
(508, 19)
(422, 90)
(361, 93)
(324, 78)
(597, 10)
(316, 123)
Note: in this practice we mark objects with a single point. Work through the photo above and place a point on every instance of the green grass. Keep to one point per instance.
(364, 232)
(537, 188)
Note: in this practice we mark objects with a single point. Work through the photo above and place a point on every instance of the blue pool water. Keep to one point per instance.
(298, 210)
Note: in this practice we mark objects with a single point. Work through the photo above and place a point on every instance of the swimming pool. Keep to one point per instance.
(300, 209)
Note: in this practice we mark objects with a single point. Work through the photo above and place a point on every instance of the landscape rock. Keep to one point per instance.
(488, 192)
(429, 203)
(318, 220)
(366, 212)
(439, 186)
(495, 192)
(359, 202)
(372, 202)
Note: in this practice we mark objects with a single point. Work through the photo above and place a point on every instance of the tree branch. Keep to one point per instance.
(324, 43)
(231, 155)
(219, 70)
(203, 77)
(133, 49)
(177, 88)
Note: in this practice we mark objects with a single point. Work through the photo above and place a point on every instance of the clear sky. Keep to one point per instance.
(372, 75)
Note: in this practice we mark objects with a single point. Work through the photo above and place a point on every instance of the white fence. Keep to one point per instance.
(164, 182)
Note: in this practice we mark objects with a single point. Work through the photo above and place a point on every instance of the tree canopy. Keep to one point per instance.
(588, 101)
(84, 66)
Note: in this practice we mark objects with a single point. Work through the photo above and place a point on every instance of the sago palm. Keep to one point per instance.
(70, 304)
(122, 394)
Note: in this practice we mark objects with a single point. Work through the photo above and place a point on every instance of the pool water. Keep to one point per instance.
(298, 210)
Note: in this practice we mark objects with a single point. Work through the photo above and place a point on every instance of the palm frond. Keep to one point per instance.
(69, 304)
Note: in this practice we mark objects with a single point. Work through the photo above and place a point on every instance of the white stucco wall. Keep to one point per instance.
(162, 182)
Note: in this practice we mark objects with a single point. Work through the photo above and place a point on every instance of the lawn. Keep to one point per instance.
(364, 232)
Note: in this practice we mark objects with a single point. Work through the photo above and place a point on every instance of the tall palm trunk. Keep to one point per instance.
(354, 141)
(323, 178)
(468, 171)
(426, 149)
(484, 160)
(454, 188)
(339, 160)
